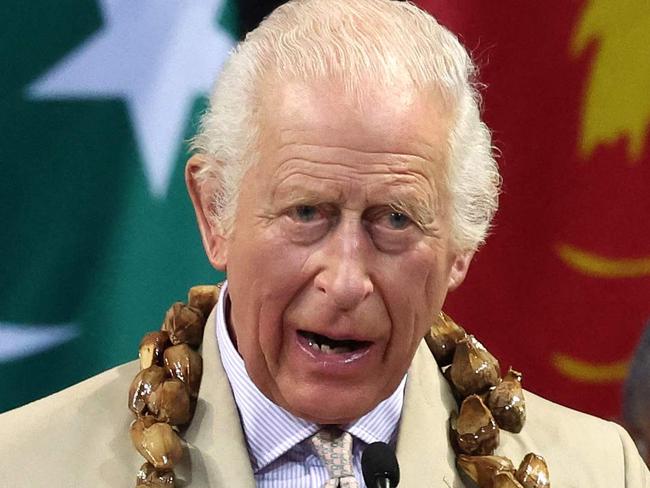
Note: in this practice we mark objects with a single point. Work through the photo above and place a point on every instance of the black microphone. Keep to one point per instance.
(379, 466)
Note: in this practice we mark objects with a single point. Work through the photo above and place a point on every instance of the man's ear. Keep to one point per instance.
(202, 191)
(459, 268)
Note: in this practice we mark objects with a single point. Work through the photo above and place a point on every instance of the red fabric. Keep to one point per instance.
(520, 298)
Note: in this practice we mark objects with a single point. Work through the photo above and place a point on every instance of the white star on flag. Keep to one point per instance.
(22, 340)
(157, 57)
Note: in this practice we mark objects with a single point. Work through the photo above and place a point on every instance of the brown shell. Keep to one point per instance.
(141, 387)
(533, 472)
(184, 324)
(507, 404)
(474, 370)
(442, 338)
(481, 469)
(203, 297)
(505, 479)
(150, 477)
(152, 347)
(157, 442)
(170, 402)
(186, 364)
(473, 430)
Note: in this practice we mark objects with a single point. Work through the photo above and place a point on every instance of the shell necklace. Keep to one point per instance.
(163, 396)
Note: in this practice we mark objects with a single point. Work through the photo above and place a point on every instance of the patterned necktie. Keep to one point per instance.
(335, 450)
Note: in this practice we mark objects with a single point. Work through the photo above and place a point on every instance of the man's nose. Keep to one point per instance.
(343, 274)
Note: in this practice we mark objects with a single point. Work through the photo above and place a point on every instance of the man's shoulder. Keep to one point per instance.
(76, 426)
(553, 417)
(93, 396)
(572, 441)
(551, 422)
(580, 449)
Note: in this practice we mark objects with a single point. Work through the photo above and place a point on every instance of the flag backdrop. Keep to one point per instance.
(98, 234)
(562, 289)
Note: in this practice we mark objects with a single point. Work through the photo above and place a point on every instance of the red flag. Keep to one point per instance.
(562, 289)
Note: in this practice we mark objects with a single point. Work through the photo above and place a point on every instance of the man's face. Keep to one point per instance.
(333, 281)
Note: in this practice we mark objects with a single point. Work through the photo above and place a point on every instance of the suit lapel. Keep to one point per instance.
(423, 451)
(218, 452)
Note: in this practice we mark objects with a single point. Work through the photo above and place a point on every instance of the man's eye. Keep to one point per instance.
(305, 213)
(397, 220)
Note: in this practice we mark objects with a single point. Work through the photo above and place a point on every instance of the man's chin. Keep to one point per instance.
(330, 408)
(331, 417)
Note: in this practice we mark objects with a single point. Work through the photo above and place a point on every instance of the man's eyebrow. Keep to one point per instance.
(295, 194)
(421, 210)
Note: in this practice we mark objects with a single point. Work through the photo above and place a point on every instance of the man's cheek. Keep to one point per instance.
(272, 332)
(287, 264)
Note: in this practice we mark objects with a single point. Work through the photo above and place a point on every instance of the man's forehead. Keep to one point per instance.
(372, 118)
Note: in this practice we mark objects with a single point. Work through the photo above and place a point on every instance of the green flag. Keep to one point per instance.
(99, 237)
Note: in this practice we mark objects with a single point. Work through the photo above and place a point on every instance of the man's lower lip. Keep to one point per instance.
(331, 357)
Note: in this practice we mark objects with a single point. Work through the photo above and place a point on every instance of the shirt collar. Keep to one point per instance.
(270, 430)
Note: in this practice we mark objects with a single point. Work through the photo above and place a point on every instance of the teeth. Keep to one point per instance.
(326, 348)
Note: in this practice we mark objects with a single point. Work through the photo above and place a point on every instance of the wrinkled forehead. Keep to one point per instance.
(374, 117)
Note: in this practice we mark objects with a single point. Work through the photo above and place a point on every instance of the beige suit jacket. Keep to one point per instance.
(79, 437)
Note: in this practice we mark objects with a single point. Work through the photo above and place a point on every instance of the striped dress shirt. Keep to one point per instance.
(278, 442)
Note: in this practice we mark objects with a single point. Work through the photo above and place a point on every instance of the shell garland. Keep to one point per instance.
(487, 402)
(163, 397)
(163, 394)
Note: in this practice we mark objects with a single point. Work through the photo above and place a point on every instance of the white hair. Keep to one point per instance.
(353, 42)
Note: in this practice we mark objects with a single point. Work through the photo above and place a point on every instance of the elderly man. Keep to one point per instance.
(343, 179)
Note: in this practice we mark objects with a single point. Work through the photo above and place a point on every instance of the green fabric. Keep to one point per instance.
(84, 241)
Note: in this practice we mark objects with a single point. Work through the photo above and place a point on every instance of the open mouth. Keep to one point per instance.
(326, 345)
